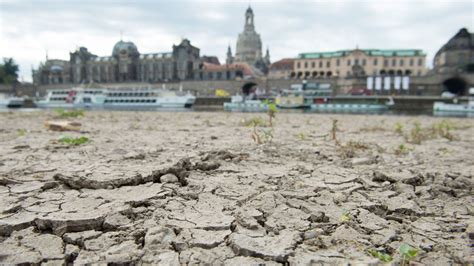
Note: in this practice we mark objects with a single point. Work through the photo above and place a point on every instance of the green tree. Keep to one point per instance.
(8, 71)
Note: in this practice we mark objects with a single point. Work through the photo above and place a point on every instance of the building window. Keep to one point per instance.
(394, 62)
(401, 62)
(298, 65)
(375, 62)
(385, 62)
(419, 73)
(364, 62)
(320, 64)
(338, 62)
(313, 64)
(411, 61)
(356, 62)
(305, 64)
(420, 62)
(328, 64)
(348, 63)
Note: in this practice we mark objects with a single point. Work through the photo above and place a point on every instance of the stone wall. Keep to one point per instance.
(427, 85)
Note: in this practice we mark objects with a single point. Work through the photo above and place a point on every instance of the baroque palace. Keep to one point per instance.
(127, 64)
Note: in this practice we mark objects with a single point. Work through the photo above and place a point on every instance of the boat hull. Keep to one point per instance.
(349, 107)
(455, 108)
(249, 106)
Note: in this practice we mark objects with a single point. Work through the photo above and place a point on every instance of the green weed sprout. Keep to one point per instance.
(408, 253)
(401, 149)
(73, 141)
(399, 128)
(345, 217)
(301, 136)
(382, 256)
(69, 114)
(21, 132)
(272, 109)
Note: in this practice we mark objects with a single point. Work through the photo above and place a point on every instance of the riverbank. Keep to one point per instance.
(195, 187)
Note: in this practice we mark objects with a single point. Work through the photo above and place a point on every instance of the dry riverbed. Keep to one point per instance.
(187, 188)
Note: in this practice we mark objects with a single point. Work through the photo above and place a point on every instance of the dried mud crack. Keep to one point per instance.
(137, 194)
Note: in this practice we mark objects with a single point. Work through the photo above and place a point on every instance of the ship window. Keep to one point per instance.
(154, 100)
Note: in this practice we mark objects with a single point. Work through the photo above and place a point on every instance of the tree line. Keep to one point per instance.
(8, 71)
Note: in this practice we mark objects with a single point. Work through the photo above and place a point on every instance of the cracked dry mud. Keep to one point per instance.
(190, 188)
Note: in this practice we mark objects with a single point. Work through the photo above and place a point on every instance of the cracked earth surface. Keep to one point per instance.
(193, 188)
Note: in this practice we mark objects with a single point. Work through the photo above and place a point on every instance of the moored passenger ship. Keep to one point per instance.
(115, 98)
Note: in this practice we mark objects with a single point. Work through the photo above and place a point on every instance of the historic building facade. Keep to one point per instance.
(249, 47)
(281, 69)
(126, 64)
(457, 55)
(359, 63)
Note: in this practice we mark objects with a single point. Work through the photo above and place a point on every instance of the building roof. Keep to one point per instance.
(372, 52)
(245, 68)
(286, 62)
(463, 40)
(130, 47)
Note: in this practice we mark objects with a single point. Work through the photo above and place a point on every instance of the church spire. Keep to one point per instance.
(249, 26)
(229, 59)
(267, 56)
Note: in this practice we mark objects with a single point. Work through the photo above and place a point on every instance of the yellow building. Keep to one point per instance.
(359, 63)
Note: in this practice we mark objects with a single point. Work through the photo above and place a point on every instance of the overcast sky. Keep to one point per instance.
(30, 28)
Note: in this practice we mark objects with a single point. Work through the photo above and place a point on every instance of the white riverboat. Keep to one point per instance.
(12, 102)
(456, 107)
(238, 103)
(349, 107)
(115, 98)
(353, 107)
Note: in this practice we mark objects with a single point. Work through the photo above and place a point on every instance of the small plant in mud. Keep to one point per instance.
(399, 128)
(69, 114)
(272, 109)
(443, 129)
(73, 141)
(301, 136)
(382, 256)
(408, 253)
(402, 149)
(417, 135)
(345, 216)
(21, 132)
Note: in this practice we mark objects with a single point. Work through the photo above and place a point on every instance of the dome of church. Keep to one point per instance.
(461, 41)
(124, 47)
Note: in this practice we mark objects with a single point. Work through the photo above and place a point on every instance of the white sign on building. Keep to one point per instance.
(378, 83)
(370, 83)
(406, 83)
(397, 82)
(386, 83)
